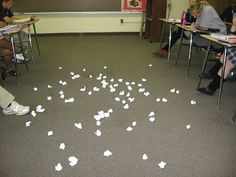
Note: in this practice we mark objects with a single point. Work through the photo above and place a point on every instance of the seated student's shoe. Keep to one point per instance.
(206, 91)
(17, 109)
(12, 73)
(20, 59)
(20, 56)
(161, 53)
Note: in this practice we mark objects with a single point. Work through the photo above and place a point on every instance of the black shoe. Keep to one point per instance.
(12, 73)
(206, 91)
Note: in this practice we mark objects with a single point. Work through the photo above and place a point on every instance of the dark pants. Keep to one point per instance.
(174, 38)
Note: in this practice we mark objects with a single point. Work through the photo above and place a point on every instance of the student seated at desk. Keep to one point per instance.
(163, 52)
(215, 83)
(10, 106)
(206, 17)
(6, 16)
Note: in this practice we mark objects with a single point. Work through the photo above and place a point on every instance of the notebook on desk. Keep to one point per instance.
(229, 38)
(22, 20)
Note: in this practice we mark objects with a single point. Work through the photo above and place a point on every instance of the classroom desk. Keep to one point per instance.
(226, 46)
(171, 23)
(29, 23)
(191, 30)
(10, 32)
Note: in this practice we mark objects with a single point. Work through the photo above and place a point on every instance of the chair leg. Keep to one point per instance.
(204, 65)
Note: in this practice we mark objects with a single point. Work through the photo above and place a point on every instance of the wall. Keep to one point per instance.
(92, 22)
(88, 22)
(177, 7)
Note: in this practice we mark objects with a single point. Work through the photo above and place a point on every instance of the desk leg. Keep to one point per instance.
(204, 65)
(222, 79)
(181, 41)
(170, 37)
(31, 44)
(190, 53)
(36, 38)
(22, 50)
(163, 33)
(14, 57)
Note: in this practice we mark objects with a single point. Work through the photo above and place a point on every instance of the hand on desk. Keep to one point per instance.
(193, 25)
(33, 17)
(2, 24)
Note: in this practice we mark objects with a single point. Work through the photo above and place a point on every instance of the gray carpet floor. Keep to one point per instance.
(206, 149)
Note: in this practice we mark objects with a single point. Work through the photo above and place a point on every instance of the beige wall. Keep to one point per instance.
(97, 21)
(88, 23)
(177, 7)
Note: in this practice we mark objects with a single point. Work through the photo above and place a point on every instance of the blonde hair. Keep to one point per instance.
(205, 3)
(198, 6)
(200, 1)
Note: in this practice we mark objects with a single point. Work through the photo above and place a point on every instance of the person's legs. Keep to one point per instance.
(199, 41)
(9, 105)
(6, 98)
(6, 56)
(5, 44)
(174, 38)
(215, 83)
(213, 70)
(164, 50)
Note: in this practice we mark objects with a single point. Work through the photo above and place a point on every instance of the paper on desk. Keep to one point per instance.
(175, 20)
(224, 37)
(8, 27)
(22, 20)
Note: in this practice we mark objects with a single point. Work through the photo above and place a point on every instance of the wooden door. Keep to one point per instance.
(220, 5)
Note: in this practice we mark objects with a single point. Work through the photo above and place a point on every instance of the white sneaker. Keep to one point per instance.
(16, 109)
(20, 56)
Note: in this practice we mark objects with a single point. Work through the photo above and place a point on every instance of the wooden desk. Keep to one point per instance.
(29, 23)
(171, 23)
(192, 32)
(226, 46)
